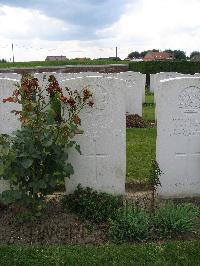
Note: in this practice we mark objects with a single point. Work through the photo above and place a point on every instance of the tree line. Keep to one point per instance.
(176, 54)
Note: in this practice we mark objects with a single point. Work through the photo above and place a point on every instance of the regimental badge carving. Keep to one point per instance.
(189, 100)
(101, 98)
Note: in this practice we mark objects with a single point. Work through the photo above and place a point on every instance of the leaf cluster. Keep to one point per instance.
(35, 158)
(91, 205)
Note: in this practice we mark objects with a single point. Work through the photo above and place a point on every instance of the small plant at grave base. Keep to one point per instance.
(135, 121)
(89, 228)
(91, 205)
(35, 157)
(154, 182)
(172, 220)
(130, 224)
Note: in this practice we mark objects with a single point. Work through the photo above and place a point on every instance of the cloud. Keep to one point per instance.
(87, 15)
(20, 23)
(92, 28)
(158, 24)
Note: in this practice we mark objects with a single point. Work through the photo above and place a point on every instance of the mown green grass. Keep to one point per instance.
(60, 63)
(148, 112)
(140, 151)
(168, 254)
(149, 98)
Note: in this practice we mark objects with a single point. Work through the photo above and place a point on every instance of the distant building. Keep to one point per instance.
(157, 56)
(56, 58)
(195, 58)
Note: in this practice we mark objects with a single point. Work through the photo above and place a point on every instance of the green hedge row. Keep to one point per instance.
(152, 67)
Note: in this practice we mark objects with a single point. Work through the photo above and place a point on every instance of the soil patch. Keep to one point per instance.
(136, 121)
(58, 226)
(55, 226)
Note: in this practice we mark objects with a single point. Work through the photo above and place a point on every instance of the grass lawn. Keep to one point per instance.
(149, 110)
(168, 254)
(149, 98)
(60, 63)
(141, 146)
(140, 150)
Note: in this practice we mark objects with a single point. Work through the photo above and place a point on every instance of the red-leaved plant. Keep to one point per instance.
(36, 157)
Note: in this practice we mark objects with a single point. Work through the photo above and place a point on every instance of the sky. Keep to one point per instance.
(93, 28)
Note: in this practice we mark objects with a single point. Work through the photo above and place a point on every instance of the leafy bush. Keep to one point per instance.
(130, 224)
(154, 181)
(174, 219)
(34, 157)
(91, 205)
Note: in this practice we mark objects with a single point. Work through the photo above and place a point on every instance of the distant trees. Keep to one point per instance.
(194, 53)
(179, 55)
(3, 61)
(169, 51)
(176, 54)
(138, 55)
(135, 54)
(143, 54)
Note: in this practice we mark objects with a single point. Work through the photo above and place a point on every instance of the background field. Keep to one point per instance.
(60, 63)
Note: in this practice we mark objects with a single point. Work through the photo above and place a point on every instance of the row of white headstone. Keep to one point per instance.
(102, 164)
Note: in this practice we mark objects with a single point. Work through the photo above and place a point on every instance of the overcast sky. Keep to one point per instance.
(93, 28)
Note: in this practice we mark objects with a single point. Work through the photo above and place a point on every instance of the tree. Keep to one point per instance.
(144, 53)
(169, 51)
(179, 55)
(135, 54)
(194, 53)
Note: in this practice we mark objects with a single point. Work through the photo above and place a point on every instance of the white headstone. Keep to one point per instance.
(8, 120)
(10, 76)
(134, 91)
(152, 82)
(156, 78)
(178, 137)
(166, 75)
(103, 161)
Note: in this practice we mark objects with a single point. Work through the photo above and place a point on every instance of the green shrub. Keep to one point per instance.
(34, 158)
(130, 224)
(171, 219)
(91, 205)
(152, 67)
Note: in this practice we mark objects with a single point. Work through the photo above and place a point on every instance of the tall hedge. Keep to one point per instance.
(152, 67)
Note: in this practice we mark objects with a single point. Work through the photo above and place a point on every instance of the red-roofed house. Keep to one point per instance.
(157, 56)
